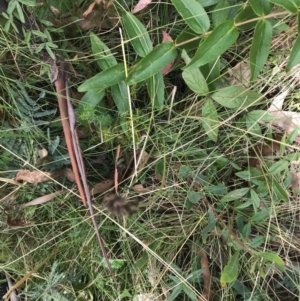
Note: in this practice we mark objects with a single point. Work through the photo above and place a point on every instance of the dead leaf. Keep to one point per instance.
(167, 37)
(69, 174)
(55, 10)
(89, 10)
(207, 292)
(100, 18)
(43, 199)
(140, 188)
(102, 187)
(240, 74)
(284, 121)
(42, 152)
(33, 177)
(16, 222)
(119, 205)
(295, 183)
(140, 5)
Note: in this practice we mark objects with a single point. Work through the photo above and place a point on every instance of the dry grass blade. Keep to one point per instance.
(43, 199)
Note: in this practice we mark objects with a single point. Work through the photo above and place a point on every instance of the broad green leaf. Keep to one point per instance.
(220, 12)
(206, 3)
(210, 120)
(106, 78)
(120, 95)
(279, 192)
(261, 7)
(193, 196)
(230, 272)
(269, 256)
(91, 98)
(211, 71)
(290, 5)
(253, 126)
(184, 37)
(102, 53)
(260, 47)
(221, 38)
(152, 63)
(137, 33)
(184, 171)
(235, 97)
(245, 14)
(294, 57)
(156, 90)
(278, 167)
(261, 215)
(260, 116)
(235, 194)
(195, 81)
(255, 198)
(193, 14)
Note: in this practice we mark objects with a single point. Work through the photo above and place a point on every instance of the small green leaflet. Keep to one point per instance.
(269, 256)
(260, 47)
(210, 120)
(237, 97)
(230, 272)
(261, 7)
(193, 14)
(278, 167)
(152, 63)
(137, 33)
(294, 58)
(193, 196)
(106, 78)
(235, 194)
(194, 78)
(290, 5)
(221, 38)
(102, 53)
(156, 90)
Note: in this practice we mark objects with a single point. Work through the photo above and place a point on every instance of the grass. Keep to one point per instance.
(189, 215)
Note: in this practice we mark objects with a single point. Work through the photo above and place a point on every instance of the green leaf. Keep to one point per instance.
(255, 198)
(261, 215)
(294, 57)
(246, 13)
(193, 14)
(193, 196)
(156, 90)
(230, 272)
(20, 12)
(137, 33)
(206, 3)
(184, 171)
(152, 63)
(234, 195)
(278, 167)
(260, 47)
(220, 12)
(106, 78)
(290, 5)
(91, 98)
(102, 53)
(195, 81)
(221, 38)
(211, 72)
(279, 191)
(269, 256)
(235, 97)
(261, 7)
(120, 95)
(210, 120)
(260, 116)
